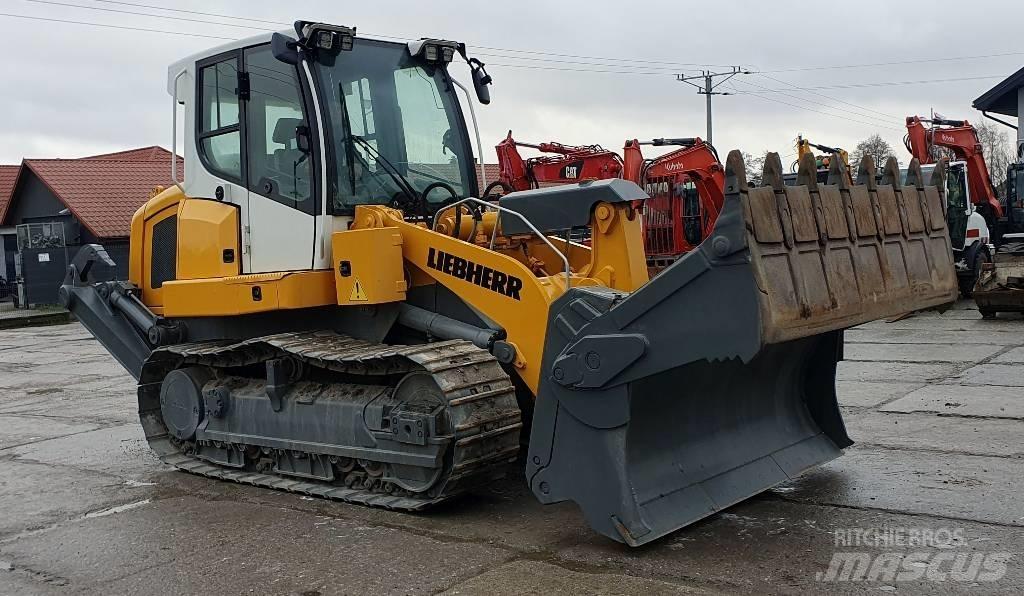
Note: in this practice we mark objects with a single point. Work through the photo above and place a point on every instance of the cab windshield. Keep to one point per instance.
(392, 119)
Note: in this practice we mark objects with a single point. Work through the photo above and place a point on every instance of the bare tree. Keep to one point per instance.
(755, 166)
(996, 147)
(875, 146)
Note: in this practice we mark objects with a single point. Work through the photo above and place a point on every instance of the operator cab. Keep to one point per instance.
(297, 129)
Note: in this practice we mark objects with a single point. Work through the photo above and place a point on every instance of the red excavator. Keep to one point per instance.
(566, 165)
(962, 139)
(687, 189)
(686, 185)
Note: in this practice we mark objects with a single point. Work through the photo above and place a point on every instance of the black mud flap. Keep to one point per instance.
(716, 380)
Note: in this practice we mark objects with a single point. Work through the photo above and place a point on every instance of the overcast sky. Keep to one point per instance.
(70, 90)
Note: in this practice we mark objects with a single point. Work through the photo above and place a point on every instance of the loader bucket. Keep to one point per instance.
(716, 380)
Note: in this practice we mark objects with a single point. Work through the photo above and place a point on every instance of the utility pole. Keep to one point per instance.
(708, 87)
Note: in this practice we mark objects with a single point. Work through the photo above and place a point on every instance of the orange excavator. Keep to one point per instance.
(686, 185)
(962, 139)
(687, 189)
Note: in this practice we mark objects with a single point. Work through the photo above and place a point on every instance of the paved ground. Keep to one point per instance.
(935, 402)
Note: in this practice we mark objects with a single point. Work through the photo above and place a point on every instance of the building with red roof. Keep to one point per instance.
(84, 201)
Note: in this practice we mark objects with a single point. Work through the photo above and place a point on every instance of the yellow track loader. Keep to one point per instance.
(321, 305)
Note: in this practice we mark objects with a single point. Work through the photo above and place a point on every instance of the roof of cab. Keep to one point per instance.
(175, 69)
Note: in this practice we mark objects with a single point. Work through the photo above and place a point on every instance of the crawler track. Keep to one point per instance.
(481, 411)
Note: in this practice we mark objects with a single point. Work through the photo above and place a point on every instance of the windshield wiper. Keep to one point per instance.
(403, 183)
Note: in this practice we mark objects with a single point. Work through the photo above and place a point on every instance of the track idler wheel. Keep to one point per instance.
(181, 400)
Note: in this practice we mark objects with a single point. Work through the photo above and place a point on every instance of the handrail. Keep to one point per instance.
(479, 145)
(565, 260)
(174, 132)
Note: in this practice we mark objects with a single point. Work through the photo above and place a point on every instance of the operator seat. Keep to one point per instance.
(285, 159)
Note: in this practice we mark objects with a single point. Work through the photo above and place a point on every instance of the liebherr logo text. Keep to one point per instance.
(485, 277)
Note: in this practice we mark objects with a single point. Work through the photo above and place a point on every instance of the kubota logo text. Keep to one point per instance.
(485, 277)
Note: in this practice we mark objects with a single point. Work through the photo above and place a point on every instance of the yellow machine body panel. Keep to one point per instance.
(248, 294)
(497, 285)
(368, 266)
(215, 224)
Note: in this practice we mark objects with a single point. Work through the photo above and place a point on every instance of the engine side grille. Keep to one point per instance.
(164, 253)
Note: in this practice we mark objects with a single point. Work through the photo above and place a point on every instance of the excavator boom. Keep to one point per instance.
(960, 137)
(572, 164)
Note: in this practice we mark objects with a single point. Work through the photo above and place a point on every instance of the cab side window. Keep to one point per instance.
(279, 160)
(220, 137)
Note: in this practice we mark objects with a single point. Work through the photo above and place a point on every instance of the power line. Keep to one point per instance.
(277, 23)
(487, 54)
(836, 99)
(799, 107)
(537, 52)
(625, 62)
(888, 83)
(555, 68)
(818, 103)
(205, 14)
(108, 26)
(896, 63)
(284, 24)
(141, 14)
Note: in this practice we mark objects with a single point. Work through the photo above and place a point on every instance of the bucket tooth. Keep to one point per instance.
(716, 380)
(807, 172)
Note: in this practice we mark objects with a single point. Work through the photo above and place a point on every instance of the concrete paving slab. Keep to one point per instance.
(908, 372)
(536, 578)
(1008, 375)
(936, 323)
(44, 357)
(1014, 356)
(101, 366)
(32, 378)
(35, 496)
(912, 352)
(948, 485)
(928, 431)
(191, 546)
(98, 405)
(963, 400)
(18, 430)
(771, 546)
(888, 334)
(25, 582)
(866, 394)
(120, 451)
(505, 514)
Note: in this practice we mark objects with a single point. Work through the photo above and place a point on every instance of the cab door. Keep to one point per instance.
(281, 209)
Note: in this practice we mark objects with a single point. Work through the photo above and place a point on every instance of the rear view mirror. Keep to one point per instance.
(302, 140)
(480, 81)
(284, 48)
